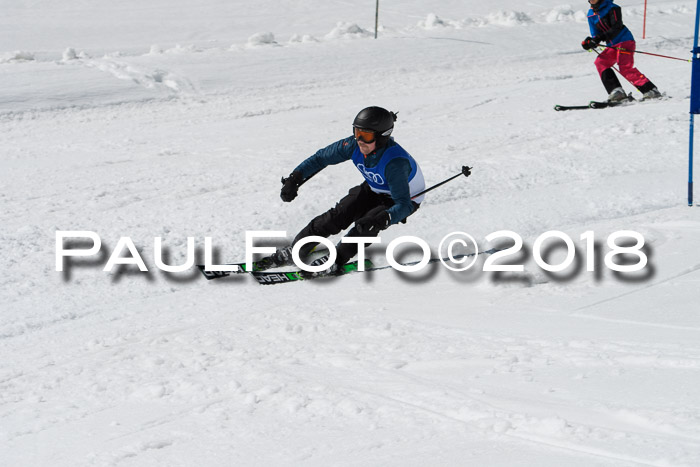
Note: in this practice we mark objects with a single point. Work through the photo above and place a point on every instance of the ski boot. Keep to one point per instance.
(617, 95)
(651, 94)
(282, 257)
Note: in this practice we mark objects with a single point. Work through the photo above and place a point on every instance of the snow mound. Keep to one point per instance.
(564, 13)
(431, 22)
(155, 50)
(17, 56)
(71, 54)
(297, 39)
(508, 18)
(498, 18)
(260, 39)
(182, 49)
(348, 30)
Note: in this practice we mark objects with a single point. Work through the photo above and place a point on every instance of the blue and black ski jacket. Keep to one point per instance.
(605, 22)
(389, 170)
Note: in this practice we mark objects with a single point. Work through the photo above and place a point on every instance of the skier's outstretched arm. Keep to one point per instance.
(335, 153)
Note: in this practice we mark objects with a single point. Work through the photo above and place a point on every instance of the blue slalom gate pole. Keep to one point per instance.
(690, 161)
(694, 102)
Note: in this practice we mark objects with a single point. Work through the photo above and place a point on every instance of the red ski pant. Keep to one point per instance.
(625, 59)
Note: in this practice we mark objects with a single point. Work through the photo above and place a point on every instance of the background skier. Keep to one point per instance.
(605, 22)
(391, 175)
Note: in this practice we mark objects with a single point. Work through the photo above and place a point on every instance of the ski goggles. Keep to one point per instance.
(366, 136)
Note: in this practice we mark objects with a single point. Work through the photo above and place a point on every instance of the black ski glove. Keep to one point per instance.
(290, 186)
(373, 223)
(590, 43)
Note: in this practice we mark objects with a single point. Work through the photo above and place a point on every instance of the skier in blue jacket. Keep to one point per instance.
(605, 23)
(392, 178)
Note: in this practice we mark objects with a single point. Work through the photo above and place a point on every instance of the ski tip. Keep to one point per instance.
(570, 107)
(663, 97)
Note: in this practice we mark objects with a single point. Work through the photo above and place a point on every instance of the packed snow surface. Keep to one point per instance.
(177, 119)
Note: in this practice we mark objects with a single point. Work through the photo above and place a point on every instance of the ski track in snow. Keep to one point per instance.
(396, 363)
(191, 139)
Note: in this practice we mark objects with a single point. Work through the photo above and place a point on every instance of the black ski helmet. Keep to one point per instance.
(377, 119)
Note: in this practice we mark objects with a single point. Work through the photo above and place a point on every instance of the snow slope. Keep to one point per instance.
(173, 119)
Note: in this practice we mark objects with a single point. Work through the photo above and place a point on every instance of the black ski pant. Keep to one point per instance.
(360, 202)
(611, 82)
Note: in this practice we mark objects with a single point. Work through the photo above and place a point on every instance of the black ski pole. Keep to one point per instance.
(466, 171)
